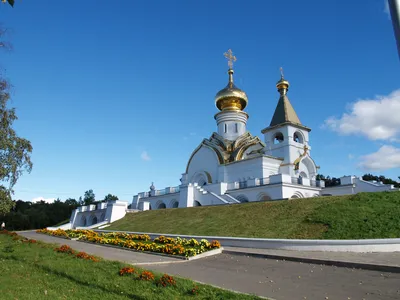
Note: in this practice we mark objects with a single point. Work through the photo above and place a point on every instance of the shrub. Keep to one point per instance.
(126, 271)
(8, 249)
(166, 280)
(146, 275)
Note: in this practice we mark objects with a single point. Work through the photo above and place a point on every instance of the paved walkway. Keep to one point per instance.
(384, 261)
(277, 279)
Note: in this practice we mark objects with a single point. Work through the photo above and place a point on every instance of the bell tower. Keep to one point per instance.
(287, 138)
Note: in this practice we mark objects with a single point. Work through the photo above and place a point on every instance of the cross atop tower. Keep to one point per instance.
(281, 69)
(231, 58)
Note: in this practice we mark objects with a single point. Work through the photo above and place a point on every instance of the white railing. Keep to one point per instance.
(168, 190)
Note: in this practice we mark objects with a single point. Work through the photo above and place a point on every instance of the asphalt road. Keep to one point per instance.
(287, 280)
(276, 279)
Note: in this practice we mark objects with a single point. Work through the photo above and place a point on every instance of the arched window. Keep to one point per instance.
(298, 137)
(225, 128)
(236, 127)
(175, 205)
(263, 197)
(242, 198)
(278, 138)
(303, 175)
(161, 206)
(196, 203)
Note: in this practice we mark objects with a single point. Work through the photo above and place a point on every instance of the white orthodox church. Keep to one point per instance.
(234, 166)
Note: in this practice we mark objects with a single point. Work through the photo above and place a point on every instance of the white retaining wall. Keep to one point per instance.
(371, 245)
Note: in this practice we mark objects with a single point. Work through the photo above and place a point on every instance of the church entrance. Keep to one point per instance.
(201, 178)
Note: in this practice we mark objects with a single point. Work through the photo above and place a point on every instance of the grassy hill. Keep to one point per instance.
(360, 216)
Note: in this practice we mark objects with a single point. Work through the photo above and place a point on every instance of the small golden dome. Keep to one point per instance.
(282, 85)
(231, 97)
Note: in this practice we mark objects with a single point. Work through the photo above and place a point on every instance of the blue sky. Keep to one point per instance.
(116, 94)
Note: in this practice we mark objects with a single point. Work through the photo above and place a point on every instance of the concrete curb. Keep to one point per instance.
(328, 262)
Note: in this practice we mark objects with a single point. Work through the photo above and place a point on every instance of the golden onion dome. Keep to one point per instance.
(231, 97)
(282, 85)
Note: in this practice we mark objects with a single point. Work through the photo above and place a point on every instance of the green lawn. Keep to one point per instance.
(36, 271)
(361, 216)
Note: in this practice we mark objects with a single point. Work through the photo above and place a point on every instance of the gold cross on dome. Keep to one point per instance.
(281, 72)
(231, 58)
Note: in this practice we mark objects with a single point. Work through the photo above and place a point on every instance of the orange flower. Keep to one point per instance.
(146, 275)
(167, 280)
(126, 271)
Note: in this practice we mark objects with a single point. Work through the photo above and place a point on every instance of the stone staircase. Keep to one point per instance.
(226, 198)
(231, 199)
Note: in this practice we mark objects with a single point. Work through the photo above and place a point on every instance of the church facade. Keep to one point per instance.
(234, 166)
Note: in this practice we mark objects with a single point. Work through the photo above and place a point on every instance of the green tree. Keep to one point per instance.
(89, 197)
(15, 152)
(110, 197)
(72, 202)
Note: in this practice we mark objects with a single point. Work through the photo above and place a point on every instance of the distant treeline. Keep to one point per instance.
(27, 215)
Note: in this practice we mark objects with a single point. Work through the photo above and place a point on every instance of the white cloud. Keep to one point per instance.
(145, 156)
(387, 157)
(377, 119)
(47, 200)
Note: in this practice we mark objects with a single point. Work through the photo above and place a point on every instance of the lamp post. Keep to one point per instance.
(394, 7)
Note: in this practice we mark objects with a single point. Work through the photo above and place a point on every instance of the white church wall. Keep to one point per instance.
(270, 166)
(353, 185)
(339, 190)
(115, 210)
(258, 167)
(205, 159)
(218, 188)
(298, 191)
(257, 193)
(87, 218)
(158, 202)
(186, 196)
(366, 186)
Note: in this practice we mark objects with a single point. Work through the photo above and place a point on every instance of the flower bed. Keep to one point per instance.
(140, 242)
